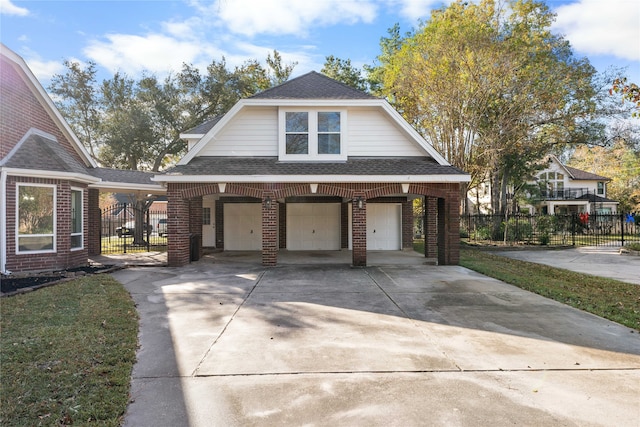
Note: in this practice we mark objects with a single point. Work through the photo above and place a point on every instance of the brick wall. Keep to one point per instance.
(269, 230)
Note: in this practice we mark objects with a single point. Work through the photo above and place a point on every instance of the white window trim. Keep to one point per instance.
(313, 135)
(81, 233)
(55, 219)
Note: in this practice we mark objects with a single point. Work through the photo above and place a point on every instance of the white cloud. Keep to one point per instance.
(8, 8)
(44, 70)
(133, 54)
(598, 27)
(419, 9)
(295, 17)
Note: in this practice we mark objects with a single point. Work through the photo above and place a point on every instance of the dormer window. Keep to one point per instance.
(600, 187)
(313, 135)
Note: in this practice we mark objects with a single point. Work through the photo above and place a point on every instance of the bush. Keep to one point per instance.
(517, 230)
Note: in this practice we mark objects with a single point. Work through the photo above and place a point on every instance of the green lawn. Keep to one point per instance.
(608, 298)
(66, 354)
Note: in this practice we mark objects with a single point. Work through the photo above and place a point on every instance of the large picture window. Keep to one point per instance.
(76, 219)
(36, 209)
(312, 134)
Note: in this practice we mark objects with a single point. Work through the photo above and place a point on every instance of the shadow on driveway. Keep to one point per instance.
(229, 343)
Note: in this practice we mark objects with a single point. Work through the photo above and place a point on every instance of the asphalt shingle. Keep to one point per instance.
(312, 85)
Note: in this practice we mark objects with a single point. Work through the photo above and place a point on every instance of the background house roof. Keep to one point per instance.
(206, 165)
(312, 85)
(581, 175)
(119, 175)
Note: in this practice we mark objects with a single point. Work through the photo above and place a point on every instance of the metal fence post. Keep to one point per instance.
(622, 229)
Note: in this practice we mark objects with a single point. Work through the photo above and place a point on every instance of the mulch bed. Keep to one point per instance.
(19, 283)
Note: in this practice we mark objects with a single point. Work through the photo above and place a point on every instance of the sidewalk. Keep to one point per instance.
(595, 260)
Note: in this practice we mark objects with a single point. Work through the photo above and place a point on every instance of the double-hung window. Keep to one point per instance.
(76, 219)
(312, 134)
(36, 214)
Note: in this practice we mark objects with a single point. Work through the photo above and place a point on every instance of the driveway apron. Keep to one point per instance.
(224, 344)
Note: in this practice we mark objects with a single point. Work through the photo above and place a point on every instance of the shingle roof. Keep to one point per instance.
(123, 176)
(203, 128)
(272, 166)
(594, 198)
(38, 152)
(581, 175)
(312, 85)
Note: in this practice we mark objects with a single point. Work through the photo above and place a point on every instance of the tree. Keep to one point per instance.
(490, 87)
(78, 100)
(342, 71)
(629, 91)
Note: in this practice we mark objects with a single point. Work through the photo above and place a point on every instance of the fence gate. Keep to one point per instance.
(127, 229)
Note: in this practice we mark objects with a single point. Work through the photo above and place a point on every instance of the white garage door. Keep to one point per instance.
(313, 226)
(383, 226)
(242, 226)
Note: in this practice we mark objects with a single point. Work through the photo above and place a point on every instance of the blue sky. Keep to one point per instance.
(159, 35)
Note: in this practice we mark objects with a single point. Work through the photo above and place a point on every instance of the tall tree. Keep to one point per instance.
(78, 99)
(342, 71)
(490, 87)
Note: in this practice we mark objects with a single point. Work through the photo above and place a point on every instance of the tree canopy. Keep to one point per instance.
(136, 124)
(491, 87)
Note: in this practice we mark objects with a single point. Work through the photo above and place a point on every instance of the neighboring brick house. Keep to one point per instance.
(49, 185)
(311, 164)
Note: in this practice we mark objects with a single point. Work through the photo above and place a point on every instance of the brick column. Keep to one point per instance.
(219, 224)
(94, 221)
(344, 225)
(430, 227)
(359, 232)
(282, 229)
(177, 227)
(269, 230)
(407, 225)
(453, 227)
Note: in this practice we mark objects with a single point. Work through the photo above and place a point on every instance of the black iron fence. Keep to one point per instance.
(582, 229)
(127, 229)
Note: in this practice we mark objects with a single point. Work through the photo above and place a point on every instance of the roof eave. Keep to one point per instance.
(433, 178)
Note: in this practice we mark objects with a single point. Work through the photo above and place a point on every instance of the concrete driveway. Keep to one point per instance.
(224, 342)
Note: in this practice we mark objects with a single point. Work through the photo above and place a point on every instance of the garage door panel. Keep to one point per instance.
(383, 226)
(313, 226)
(242, 226)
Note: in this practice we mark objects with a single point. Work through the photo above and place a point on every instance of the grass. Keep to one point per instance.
(66, 354)
(608, 298)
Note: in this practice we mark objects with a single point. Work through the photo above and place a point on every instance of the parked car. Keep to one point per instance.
(129, 228)
(161, 227)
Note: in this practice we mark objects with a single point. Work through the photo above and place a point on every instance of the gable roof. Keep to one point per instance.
(38, 91)
(314, 89)
(38, 153)
(312, 85)
(577, 174)
(202, 128)
(580, 175)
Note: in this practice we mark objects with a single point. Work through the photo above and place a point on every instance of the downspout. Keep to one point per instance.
(3, 222)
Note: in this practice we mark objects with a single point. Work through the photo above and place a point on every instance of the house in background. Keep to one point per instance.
(49, 185)
(562, 190)
(567, 190)
(311, 164)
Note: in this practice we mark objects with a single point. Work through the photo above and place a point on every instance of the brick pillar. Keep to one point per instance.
(177, 227)
(219, 224)
(430, 227)
(269, 230)
(282, 229)
(195, 226)
(407, 225)
(94, 220)
(63, 224)
(453, 227)
(359, 232)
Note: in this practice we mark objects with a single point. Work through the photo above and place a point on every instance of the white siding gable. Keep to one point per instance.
(371, 132)
(253, 131)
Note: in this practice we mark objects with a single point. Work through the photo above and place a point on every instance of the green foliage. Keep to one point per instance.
(545, 226)
(342, 71)
(516, 230)
(67, 352)
(136, 124)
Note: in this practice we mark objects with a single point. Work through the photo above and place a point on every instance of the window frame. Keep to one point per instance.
(53, 235)
(81, 233)
(600, 188)
(313, 132)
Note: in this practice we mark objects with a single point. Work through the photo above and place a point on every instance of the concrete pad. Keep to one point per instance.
(232, 344)
(604, 261)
